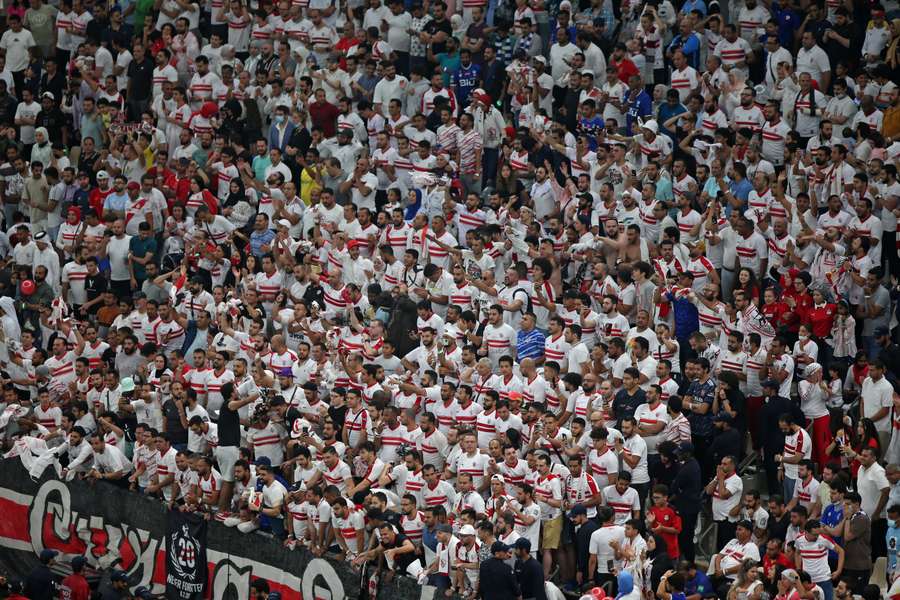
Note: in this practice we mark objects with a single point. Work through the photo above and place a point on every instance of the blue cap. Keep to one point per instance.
(119, 575)
(78, 563)
(143, 592)
(274, 596)
(47, 555)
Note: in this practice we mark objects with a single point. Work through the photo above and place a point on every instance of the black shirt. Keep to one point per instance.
(141, 76)
(503, 583)
(686, 489)
(55, 84)
(54, 120)
(531, 578)
(434, 27)
(39, 584)
(229, 427)
(94, 286)
(174, 427)
(401, 561)
(624, 404)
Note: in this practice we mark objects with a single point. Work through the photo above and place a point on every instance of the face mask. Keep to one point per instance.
(279, 119)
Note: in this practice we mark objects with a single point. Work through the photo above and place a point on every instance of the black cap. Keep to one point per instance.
(499, 547)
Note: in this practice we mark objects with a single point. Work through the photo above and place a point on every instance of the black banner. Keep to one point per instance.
(185, 556)
(106, 524)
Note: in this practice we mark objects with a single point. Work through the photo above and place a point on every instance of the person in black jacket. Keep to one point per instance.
(496, 580)
(529, 572)
(685, 497)
(39, 584)
(584, 528)
(771, 437)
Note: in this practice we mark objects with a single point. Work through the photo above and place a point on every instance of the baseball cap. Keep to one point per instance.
(284, 223)
(133, 185)
(48, 95)
(102, 175)
(746, 524)
(651, 125)
(879, 331)
(466, 530)
(499, 547)
(143, 592)
(791, 575)
(770, 383)
(523, 543)
(686, 447)
(578, 509)
(723, 418)
(498, 478)
(353, 244)
(47, 555)
(118, 575)
(78, 563)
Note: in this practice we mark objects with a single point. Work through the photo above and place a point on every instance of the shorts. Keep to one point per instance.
(226, 456)
(551, 533)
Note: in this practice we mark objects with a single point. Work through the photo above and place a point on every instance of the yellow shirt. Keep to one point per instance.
(307, 185)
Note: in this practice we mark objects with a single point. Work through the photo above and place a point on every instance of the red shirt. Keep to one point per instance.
(626, 69)
(96, 199)
(74, 587)
(822, 319)
(667, 517)
(775, 313)
(799, 314)
(325, 116)
(769, 563)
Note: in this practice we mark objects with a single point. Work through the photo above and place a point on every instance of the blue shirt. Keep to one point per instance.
(687, 319)
(892, 537)
(529, 344)
(788, 22)
(694, 5)
(449, 65)
(258, 239)
(666, 112)
(591, 128)
(141, 248)
(700, 584)
(690, 46)
(116, 202)
(640, 106)
(702, 425)
(741, 190)
(711, 187)
(466, 79)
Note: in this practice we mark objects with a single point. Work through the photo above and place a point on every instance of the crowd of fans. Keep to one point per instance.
(490, 290)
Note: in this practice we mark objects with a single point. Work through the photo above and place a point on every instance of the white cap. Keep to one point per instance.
(102, 175)
(651, 125)
(283, 223)
(587, 72)
(565, 5)
(467, 530)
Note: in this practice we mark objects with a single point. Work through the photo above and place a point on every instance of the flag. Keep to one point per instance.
(186, 567)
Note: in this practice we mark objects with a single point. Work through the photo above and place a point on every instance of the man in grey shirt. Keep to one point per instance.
(875, 311)
(128, 357)
(153, 290)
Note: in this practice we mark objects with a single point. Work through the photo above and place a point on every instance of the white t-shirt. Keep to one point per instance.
(599, 546)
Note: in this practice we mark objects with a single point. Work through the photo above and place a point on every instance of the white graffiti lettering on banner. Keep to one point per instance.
(53, 498)
(320, 569)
